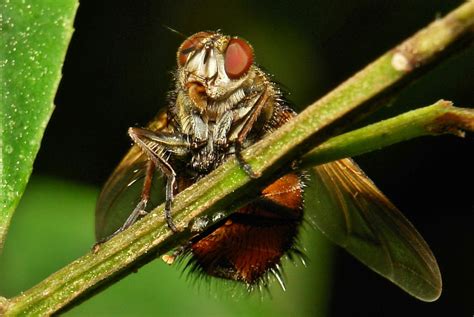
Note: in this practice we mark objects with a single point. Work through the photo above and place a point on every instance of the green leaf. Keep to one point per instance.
(33, 43)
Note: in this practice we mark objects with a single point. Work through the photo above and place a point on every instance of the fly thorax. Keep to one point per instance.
(209, 155)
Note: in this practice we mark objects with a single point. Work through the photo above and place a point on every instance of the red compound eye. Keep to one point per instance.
(238, 58)
(190, 44)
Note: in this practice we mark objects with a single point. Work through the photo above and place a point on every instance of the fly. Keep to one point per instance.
(222, 102)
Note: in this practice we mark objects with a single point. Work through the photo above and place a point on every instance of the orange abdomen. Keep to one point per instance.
(251, 241)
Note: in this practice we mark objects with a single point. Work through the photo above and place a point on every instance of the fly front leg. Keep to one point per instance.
(139, 209)
(157, 146)
(223, 125)
(247, 127)
(199, 130)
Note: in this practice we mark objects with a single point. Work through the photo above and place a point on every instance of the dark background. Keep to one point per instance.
(117, 73)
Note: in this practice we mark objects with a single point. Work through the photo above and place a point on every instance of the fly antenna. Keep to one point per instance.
(175, 31)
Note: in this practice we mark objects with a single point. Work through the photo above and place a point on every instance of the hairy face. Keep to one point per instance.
(217, 63)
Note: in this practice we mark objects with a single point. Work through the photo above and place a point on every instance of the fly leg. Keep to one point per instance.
(145, 196)
(139, 209)
(247, 127)
(156, 146)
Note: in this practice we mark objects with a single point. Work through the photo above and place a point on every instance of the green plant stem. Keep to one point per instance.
(436, 119)
(225, 187)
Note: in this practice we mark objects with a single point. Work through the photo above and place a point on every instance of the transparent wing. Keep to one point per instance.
(348, 208)
(121, 193)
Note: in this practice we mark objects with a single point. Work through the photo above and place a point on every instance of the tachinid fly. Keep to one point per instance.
(223, 102)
